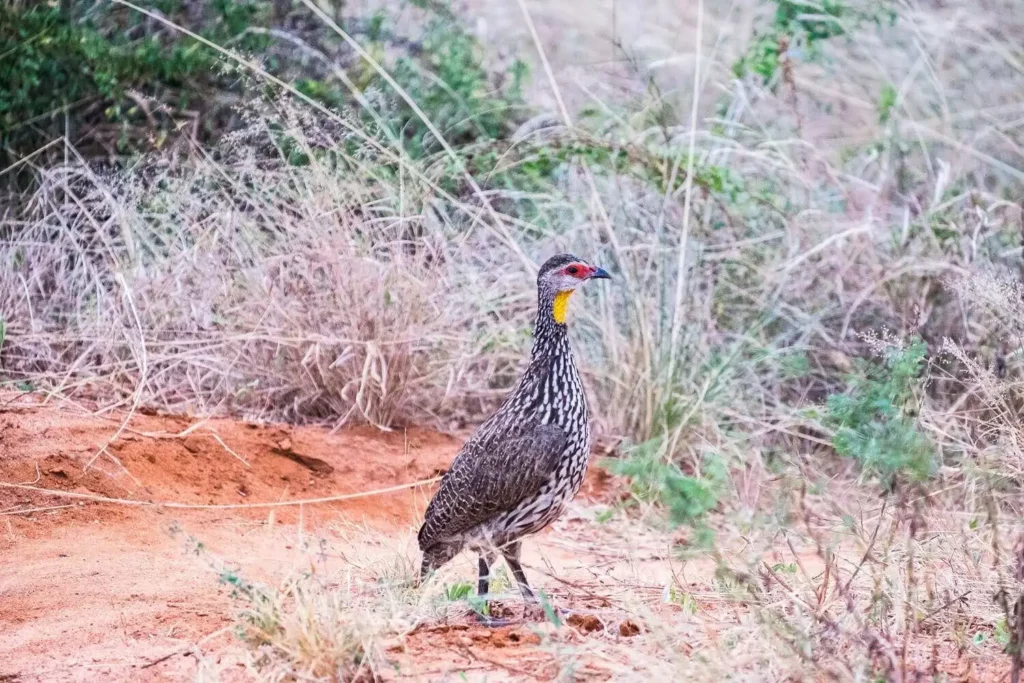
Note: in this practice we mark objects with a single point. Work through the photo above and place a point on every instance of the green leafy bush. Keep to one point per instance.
(125, 81)
(688, 498)
(792, 22)
(807, 25)
(874, 420)
(448, 81)
(111, 67)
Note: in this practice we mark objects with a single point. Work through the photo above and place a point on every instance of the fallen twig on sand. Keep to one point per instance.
(227, 506)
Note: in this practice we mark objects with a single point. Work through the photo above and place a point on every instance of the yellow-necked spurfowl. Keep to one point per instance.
(517, 472)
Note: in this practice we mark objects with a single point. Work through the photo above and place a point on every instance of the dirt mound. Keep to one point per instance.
(213, 462)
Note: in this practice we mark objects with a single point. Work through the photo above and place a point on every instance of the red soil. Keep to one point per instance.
(98, 591)
(95, 591)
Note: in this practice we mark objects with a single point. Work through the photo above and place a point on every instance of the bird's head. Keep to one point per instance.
(558, 279)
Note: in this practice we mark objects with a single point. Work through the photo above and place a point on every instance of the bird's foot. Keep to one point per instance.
(535, 610)
(494, 614)
(488, 615)
(491, 622)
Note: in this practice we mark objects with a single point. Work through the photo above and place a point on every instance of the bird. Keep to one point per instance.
(520, 468)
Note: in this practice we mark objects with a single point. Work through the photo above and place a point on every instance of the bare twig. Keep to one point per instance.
(230, 506)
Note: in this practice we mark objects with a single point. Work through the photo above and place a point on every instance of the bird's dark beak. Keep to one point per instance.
(600, 274)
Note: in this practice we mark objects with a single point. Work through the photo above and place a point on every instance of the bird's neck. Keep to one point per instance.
(549, 335)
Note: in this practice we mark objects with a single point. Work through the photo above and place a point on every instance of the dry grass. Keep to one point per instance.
(815, 597)
(301, 293)
(872, 186)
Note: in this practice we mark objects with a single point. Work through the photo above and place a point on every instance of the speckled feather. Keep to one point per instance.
(518, 470)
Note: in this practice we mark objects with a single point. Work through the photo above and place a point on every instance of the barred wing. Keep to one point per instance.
(492, 473)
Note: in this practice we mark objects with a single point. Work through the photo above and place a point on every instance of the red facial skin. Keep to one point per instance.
(580, 271)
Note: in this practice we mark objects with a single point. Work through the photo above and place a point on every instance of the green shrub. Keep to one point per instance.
(450, 84)
(792, 22)
(874, 421)
(807, 25)
(55, 64)
(688, 498)
(94, 68)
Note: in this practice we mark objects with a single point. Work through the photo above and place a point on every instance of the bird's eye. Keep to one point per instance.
(572, 270)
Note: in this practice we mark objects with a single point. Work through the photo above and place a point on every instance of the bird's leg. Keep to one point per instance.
(533, 607)
(483, 587)
(511, 553)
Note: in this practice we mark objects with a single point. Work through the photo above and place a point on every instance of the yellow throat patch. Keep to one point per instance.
(561, 306)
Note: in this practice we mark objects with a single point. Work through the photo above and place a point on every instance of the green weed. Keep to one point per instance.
(688, 498)
(458, 591)
(874, 420)
(549, 611)
(801, 27)
(886, 103)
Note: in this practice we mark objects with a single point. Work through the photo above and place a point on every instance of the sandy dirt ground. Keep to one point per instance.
(96, 591)
(93, 591)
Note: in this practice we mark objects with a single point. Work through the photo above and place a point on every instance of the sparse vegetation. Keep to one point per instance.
(658, 480)
(355, 243)
(875, 420)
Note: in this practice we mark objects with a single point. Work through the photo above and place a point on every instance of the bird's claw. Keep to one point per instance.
(484, 617)
(489, 621)
(535, 611)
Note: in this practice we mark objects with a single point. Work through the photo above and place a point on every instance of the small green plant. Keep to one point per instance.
(463, 591)
(458, 591)
(686, 601)
(804, 25)
(875, 422)
(500, 582)
(1002, 633)
(655, 479)
(795, 365)
(886, 103)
